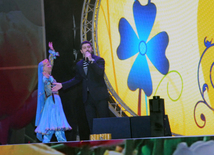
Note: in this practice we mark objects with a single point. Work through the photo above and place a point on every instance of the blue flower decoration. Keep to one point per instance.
(132, 43)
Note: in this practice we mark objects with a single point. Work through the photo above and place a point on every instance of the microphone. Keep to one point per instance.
(87, 60)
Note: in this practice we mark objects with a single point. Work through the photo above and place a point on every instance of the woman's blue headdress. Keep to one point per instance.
(41, 93)
(41, 90)
(40, 97)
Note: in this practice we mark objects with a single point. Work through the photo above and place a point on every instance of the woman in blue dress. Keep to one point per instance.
(50, 117)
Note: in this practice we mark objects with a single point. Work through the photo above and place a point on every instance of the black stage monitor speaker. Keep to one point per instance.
(130, 127)
(167, 130)
(158, 120)
(119, 127)
(140, 126)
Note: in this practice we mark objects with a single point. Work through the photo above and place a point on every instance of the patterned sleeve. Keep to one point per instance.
(45, 80)
(52, 79)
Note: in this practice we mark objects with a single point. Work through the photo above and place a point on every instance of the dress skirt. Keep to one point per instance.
(53, 117)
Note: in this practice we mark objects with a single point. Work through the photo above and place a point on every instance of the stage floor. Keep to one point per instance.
(196, 145)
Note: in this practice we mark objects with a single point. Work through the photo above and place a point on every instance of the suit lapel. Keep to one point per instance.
(82, 72)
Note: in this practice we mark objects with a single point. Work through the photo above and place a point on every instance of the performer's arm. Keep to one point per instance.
(98, 66)
(69, 83)
(57, 86)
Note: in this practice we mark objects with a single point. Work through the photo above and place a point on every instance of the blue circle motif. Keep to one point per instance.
(142, 48)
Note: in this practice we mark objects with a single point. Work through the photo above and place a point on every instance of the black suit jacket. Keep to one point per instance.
(94, 80)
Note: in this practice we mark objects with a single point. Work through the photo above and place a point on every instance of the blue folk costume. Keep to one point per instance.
(50, 117)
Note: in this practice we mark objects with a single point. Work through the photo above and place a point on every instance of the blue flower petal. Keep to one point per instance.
(139, 76)
(144, 19)
(129, 40)
(156, 49)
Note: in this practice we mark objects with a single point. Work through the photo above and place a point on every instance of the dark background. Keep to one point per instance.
(62, 26)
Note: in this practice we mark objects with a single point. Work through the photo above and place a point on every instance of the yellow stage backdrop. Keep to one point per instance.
(162, 48)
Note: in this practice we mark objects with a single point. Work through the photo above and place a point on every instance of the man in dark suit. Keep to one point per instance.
(90, 71)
